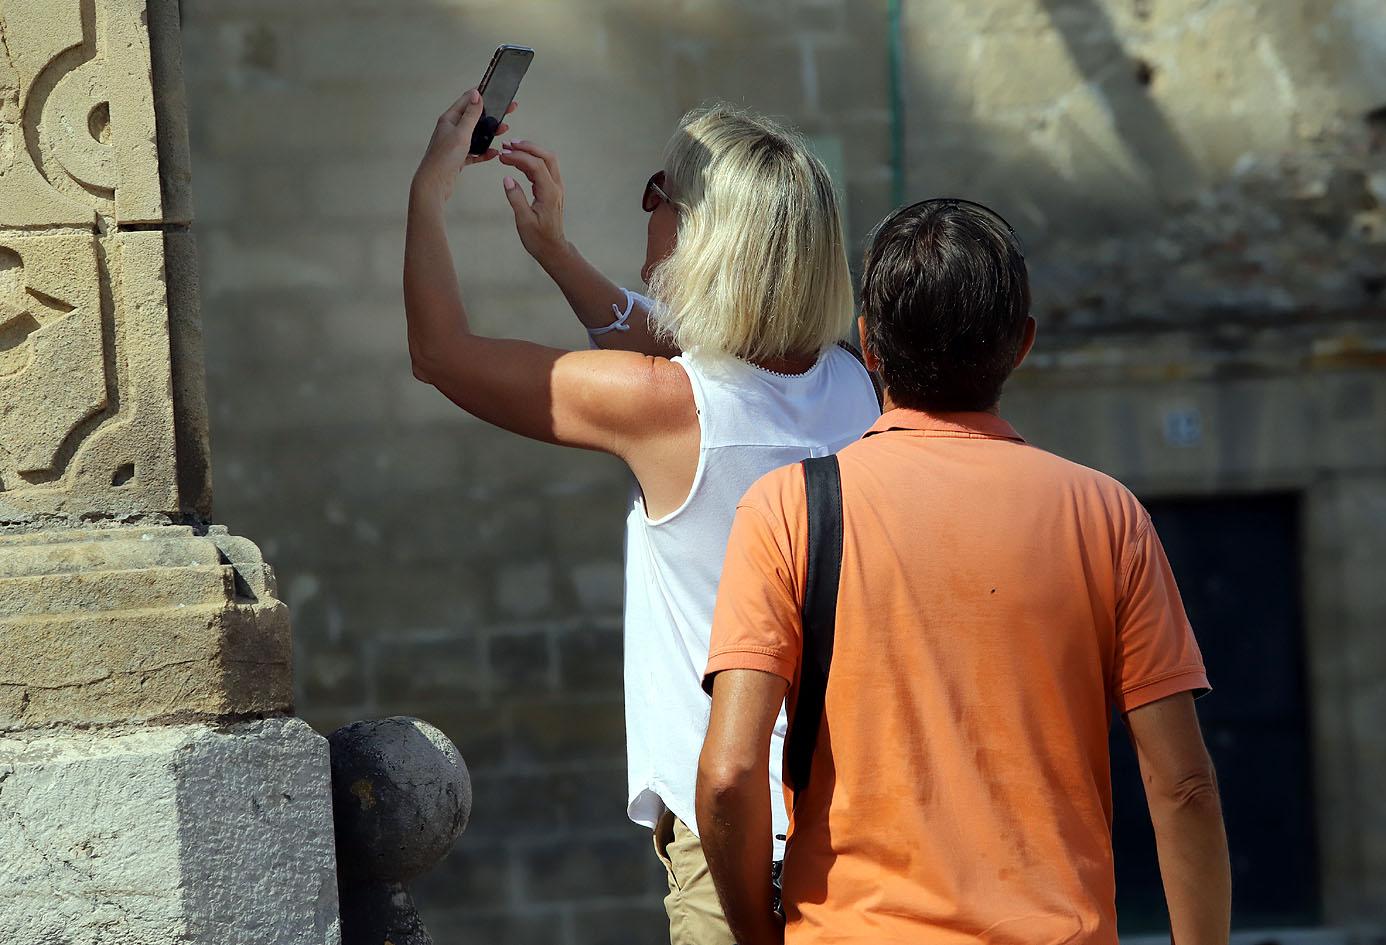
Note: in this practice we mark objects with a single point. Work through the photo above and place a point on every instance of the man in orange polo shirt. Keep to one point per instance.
(995, 603)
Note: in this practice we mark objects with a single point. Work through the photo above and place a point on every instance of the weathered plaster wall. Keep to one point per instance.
(1200, 163)
(1199, 187)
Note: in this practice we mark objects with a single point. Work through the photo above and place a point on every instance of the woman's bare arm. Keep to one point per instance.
(540, 224)
(634, 406)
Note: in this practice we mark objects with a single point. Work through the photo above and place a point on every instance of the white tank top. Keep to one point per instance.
(752, 421)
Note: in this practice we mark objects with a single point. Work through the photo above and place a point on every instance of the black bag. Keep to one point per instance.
(823, 493)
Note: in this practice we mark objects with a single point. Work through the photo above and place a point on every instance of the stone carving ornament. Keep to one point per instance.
(86, 420)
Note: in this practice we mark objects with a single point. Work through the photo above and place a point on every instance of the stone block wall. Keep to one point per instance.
(1199, 184)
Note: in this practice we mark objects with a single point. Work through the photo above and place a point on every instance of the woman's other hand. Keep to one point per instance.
(447, 149)
(540, 221)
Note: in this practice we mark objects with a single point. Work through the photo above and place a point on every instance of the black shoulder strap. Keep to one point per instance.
(823, 491)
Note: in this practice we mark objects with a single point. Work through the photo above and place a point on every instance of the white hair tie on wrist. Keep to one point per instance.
(621, 317)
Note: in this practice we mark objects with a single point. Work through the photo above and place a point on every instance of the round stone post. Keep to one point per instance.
(401, 795)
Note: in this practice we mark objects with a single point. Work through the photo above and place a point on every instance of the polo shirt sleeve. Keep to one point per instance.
(757, 623)
(1156, 655)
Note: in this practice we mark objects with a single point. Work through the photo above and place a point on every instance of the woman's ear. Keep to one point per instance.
(873, 363)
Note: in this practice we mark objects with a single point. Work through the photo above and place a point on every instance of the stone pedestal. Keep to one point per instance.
(173, 833)
(138, 624)
(153, 786)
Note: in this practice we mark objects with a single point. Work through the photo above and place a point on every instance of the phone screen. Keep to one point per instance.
(503, 79)
(498, 88)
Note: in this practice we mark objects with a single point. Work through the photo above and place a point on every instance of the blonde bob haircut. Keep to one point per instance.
(760, 267)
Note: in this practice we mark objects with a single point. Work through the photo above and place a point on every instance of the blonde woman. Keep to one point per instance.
(730, 372)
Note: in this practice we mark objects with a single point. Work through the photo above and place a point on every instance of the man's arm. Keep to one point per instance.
(1182, 791)
(733, 800)
(540, 225)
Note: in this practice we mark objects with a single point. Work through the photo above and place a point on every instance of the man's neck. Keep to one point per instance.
(889, 403)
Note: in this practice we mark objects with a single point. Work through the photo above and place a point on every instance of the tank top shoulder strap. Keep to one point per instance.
(714, 393)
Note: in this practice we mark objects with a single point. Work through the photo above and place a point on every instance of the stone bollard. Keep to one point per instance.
(401, 796)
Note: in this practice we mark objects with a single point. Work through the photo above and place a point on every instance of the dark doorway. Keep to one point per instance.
(1237, 562)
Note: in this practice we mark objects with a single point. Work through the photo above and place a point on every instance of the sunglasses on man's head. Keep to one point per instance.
(654, 194)
(955, 202)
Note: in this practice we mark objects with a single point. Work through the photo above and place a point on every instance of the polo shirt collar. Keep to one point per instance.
(961, 423)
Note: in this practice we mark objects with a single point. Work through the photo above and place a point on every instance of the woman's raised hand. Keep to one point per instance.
(452, 138)
(540, 221)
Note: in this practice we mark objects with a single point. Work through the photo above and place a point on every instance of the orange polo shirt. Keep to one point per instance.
(996, 602)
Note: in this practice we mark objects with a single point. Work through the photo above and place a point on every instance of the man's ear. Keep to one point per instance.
(873, 363)
(1027, 342)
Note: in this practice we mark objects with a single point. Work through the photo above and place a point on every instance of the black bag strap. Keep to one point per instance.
(823, 492)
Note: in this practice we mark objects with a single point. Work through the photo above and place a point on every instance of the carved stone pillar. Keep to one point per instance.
(153, 784)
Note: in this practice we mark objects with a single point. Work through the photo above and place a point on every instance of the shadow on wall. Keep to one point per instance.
(1174, 164)
(1122, 82)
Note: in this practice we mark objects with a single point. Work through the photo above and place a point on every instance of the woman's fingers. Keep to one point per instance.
(544, 154)
(515, 196)
(533, 168)
(526, 165)
(471, 114)
(454, 112)
(549, 158)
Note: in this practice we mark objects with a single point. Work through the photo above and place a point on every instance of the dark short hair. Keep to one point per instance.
(945, 294)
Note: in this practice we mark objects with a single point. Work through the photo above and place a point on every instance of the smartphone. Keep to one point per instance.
(498, 88)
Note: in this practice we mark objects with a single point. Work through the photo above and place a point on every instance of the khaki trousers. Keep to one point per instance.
(695, 914)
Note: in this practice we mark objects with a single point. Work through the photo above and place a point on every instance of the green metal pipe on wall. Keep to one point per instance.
(894, 65)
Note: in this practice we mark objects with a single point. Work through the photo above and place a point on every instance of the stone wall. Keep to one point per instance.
(1199, 184)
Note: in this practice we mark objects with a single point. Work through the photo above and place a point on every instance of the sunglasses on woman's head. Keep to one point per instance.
(655, 193)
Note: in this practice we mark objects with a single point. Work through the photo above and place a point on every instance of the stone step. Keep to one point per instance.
(139, 589)
(86, 550)
(130, 624)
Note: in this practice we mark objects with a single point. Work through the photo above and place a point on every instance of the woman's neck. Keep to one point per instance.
(789, 364)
